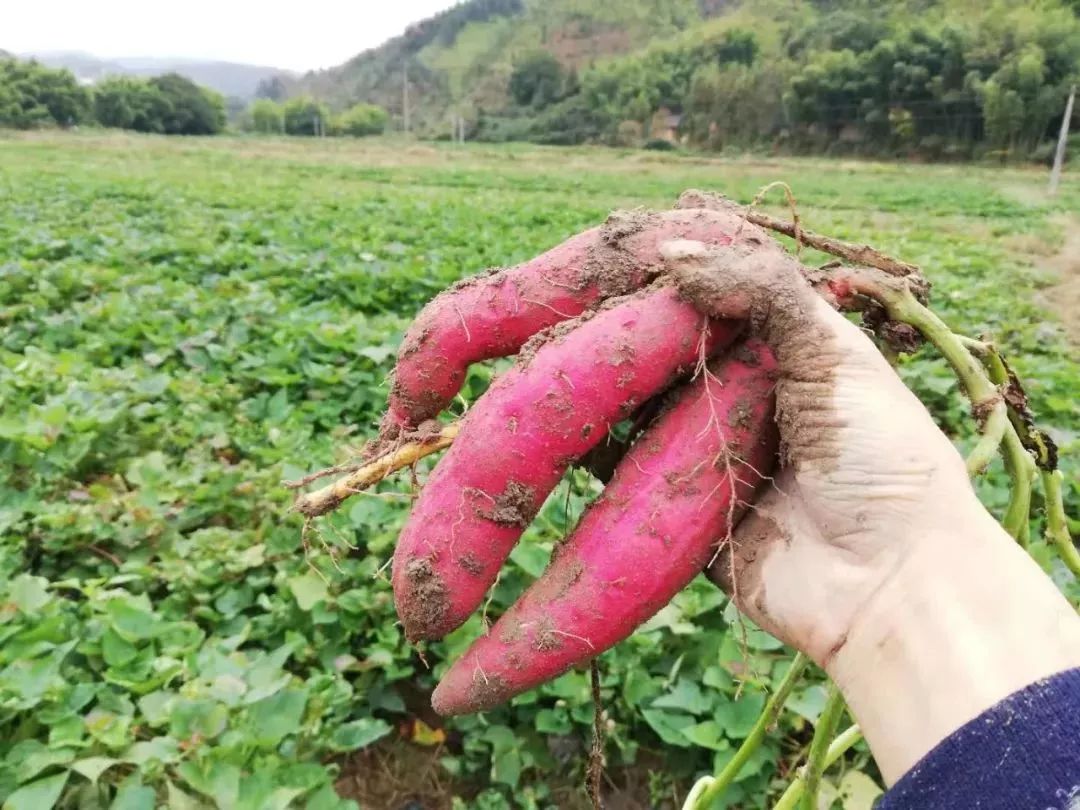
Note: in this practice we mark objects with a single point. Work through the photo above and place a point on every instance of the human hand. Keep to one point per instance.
(870, 552)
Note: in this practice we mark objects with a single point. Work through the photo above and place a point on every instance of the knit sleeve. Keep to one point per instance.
(1022, 754)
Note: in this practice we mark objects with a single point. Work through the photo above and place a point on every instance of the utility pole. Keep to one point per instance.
(1063, 136)
(405, 96)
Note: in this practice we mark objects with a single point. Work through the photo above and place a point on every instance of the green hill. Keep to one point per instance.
(941, 78)
(462, 59)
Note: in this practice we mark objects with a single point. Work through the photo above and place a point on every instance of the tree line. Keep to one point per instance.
(846, 80)
(305, 115)
(33, 95)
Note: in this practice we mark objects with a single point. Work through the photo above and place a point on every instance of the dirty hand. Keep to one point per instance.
(870, 552)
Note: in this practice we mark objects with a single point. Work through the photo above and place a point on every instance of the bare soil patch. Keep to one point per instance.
(1064, 296)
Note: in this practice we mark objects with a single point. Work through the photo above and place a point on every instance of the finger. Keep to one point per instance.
(518, 440)
(494, 315)
(653, 530)
(835, 390)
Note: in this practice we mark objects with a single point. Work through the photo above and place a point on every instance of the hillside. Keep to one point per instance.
(462, 59)
(940, 78)
(227, 78)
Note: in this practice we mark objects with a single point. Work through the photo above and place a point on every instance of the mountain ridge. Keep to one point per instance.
(236, 79)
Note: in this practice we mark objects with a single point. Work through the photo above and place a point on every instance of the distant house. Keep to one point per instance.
(665, 125)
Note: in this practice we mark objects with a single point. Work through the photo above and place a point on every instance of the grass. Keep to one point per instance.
(187, 322)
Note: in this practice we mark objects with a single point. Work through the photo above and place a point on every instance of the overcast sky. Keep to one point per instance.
(299, 34)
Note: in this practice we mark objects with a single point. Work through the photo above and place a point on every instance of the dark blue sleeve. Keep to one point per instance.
(1022, 754)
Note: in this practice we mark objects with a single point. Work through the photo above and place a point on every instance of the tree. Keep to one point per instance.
(305, 116)
(361, 120)
(33, 95)
(125, 102)
(267, 117)
(272, 88)
(192, 110)
(537, 80)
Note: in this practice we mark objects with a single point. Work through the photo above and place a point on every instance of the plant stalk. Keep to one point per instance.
(819, 746)
(1057, 530)
(708, 789)
(321, 501)
(840, 746)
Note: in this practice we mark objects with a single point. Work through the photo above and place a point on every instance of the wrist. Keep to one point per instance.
(966, 620)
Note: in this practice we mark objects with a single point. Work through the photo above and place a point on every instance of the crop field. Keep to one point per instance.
(186, 323)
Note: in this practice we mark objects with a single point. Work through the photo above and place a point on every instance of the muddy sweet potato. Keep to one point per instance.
(518, 440)
(493, 315)
(673, 498)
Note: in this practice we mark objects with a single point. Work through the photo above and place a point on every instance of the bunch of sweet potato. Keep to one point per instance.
(601, 336)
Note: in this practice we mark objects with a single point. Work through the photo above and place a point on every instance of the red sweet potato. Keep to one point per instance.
(493, 315)
(657, 525)
(519, 438)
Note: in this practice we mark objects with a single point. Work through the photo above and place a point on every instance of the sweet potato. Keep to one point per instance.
(673, 498)
(493, 315)
(517, 441)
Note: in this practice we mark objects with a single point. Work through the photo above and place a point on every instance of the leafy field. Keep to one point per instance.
(185, 323)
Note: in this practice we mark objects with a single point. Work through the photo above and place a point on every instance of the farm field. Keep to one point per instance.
(185, 323)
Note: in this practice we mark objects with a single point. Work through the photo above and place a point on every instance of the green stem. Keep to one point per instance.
(839, 747)
(1021, 469)
(993, 433)
(1019, 464)
(902, 306)
(819, 746)
(959, 352)
(1057, 531)
(708, 790)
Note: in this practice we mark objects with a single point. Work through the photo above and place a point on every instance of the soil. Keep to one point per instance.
(610, 265)
(1064, 296)
(426, 603)
(395, 774)
(516, 506)
(762, 284)
(546, 637)
(469, 562)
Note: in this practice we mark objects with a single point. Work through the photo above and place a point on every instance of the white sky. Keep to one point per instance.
(280, 33)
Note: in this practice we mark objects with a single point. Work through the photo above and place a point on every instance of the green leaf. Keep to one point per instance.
(179, 800)
(117, 650)
(308, 589)
(272, 719)
(379, 354)
(108, 728)
(669, 726)
(214, 779)
(553, 721)
(39, 795)
(359, 734)
(203, 718)
(133, 795)
(162, 749)
(808, 702)
(707, 735)
(506, 767)
(131, 619)
(858, 791)
(738, 716)
(686, 696)
(93, 767)
(156, 707)
(532, 557)
(29, 594)
(31, 757)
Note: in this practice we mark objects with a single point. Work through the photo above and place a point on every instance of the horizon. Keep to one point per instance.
(243, 32)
